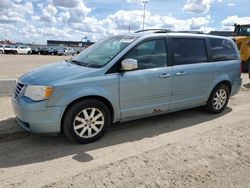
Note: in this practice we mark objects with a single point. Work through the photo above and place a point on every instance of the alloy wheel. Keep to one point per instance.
(88, 122)
(220, 99)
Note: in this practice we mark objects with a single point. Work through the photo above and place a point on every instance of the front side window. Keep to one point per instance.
(149, 54)
(222, 50)
(189, 51)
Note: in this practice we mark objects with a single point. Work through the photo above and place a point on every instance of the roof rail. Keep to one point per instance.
(168, 31)
(156, 30)
(192, 32)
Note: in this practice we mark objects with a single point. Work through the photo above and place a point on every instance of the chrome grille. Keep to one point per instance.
(18, 90)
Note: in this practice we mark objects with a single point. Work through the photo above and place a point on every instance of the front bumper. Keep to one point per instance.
(36, 116)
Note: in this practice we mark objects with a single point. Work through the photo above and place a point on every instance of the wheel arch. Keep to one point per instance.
(226, 82)
(100, 98)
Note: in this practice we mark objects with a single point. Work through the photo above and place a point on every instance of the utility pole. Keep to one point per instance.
(84, 38)
(144, 9)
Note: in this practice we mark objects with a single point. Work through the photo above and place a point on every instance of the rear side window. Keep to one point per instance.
(222, 50)
(189, 51)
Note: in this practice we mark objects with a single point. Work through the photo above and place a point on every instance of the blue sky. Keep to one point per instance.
(36, 21)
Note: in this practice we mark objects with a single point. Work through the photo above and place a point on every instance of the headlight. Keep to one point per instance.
(38, 93)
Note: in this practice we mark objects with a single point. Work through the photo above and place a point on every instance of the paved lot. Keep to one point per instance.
(184, 149)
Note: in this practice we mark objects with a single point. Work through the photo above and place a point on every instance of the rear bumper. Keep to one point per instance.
(236, 87)
(36, 117)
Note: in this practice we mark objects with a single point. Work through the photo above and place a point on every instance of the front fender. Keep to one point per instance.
(105, 86)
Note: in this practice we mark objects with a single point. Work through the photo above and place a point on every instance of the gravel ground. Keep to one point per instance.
(184, 149)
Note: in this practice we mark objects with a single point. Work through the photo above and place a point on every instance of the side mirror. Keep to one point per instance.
(129, 64)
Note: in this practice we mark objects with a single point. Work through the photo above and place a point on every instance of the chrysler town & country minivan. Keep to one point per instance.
(127, 77)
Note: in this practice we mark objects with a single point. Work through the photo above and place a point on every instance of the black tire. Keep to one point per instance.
(245, 66)
(69, 121)
(211, 107)
(29, 52)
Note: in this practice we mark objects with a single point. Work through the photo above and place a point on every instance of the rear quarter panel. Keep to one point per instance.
(226, 71)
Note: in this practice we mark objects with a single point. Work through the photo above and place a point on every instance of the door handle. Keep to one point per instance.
(165, 75)
(180, 73)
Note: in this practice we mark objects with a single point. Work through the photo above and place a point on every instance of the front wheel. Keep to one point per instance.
(218, 99)
(86, 121)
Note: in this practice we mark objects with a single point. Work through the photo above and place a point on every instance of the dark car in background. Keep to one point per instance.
(35, 50)
(43, 51)
(52, 51)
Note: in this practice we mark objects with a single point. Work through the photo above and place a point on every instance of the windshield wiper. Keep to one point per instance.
(83, 63)
(75, 61)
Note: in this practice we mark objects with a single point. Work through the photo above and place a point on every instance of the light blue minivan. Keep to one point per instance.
(128, 77)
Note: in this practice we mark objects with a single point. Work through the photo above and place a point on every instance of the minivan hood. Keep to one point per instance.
(45, 75)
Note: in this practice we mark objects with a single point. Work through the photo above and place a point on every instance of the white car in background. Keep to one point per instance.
(9, 49)
(69, 51)
(1, 49)
(23, 50)
(66, 51)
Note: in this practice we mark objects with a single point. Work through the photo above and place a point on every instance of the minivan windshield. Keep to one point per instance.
(100, 53)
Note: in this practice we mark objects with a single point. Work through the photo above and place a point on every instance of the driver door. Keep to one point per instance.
(146, 90)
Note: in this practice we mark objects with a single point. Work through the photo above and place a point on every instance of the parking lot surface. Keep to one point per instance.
(184, 149)
(13, 66)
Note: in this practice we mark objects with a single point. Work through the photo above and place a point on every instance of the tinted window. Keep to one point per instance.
(189, 51)
(222, 50)
(149, 54)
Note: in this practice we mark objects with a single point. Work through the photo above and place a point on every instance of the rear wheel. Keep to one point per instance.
(218, 99)
(1, 52)
(86, 121)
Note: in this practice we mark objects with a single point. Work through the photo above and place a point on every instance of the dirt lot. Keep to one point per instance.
(184, 149)
(13, 66)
